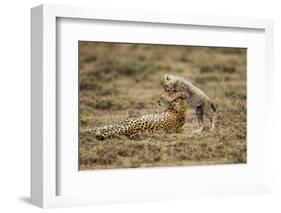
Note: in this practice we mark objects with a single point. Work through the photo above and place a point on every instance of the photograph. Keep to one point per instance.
(161, 105)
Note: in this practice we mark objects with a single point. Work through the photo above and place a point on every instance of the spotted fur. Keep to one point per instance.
(195, 98)
(170, 120)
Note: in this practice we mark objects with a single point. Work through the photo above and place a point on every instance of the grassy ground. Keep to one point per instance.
(118, 80)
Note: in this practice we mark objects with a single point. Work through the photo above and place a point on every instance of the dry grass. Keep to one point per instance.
(117, 80)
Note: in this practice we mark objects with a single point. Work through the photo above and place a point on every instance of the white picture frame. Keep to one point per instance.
(45, 156)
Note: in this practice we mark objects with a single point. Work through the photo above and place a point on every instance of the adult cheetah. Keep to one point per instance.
(194, 97)
(170, 120)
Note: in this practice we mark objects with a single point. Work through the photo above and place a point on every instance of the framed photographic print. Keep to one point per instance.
(129, 106)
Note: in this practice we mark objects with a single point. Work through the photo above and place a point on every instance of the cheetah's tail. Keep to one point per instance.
(213, 106)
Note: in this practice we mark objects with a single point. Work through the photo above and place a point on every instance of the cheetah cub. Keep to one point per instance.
(194, 97)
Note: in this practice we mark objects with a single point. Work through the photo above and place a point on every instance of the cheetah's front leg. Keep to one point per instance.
(209, 113)
(213, 124)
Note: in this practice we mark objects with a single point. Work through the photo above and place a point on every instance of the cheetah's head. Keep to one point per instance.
(171, 83)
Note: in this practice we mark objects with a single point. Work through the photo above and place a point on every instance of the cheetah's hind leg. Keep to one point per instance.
(199, 114)
(211, 116)
(213, 124)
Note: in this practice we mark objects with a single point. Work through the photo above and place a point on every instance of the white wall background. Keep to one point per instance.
(15, 104)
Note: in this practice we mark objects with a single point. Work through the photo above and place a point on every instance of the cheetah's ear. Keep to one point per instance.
(167, 77)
